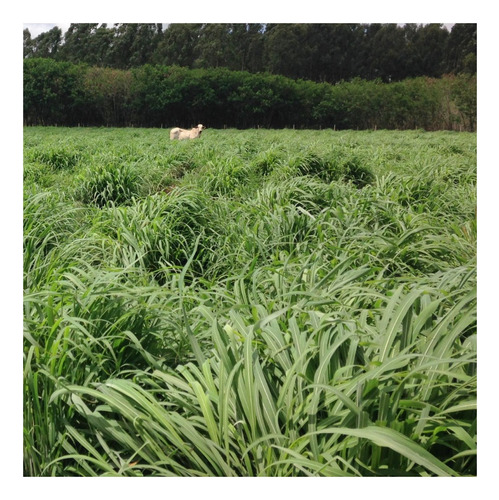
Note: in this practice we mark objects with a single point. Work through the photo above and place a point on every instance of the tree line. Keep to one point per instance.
(64, 93)
(318, 52)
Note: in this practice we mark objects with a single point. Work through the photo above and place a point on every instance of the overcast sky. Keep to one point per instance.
(36, 28)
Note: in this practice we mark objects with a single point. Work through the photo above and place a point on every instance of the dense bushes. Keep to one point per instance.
(53, 92)
(60, 93)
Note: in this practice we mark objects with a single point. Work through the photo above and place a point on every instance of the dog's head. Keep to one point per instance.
(201, 127)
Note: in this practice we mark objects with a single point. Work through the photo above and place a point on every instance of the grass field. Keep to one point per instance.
(252, 303)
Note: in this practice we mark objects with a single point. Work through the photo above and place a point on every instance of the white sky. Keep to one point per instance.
(37, 28)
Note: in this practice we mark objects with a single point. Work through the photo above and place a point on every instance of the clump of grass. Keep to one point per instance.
(312, 164)
(228, 176)
(178, 163)
(158, 233)
(102, 185)
(267, 161)
(58, 157)
(296, 393)
(37, 173)
(356, 172)
(339, 164)
(50, 221)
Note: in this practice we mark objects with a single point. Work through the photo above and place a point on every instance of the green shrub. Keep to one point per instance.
(61, 93)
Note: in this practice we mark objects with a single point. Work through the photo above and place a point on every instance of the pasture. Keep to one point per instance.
(249, 303)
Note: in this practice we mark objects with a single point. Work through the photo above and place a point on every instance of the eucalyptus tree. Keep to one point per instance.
(245, 46)
(78, 43)
(176, 45)
(133, 44)
(285, 52)
(461, 49)
(387, 52)
(46, 44)
(425, 48)
(27, 43)
(212, 48)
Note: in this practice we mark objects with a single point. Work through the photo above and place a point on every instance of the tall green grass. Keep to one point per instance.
(255, 303)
